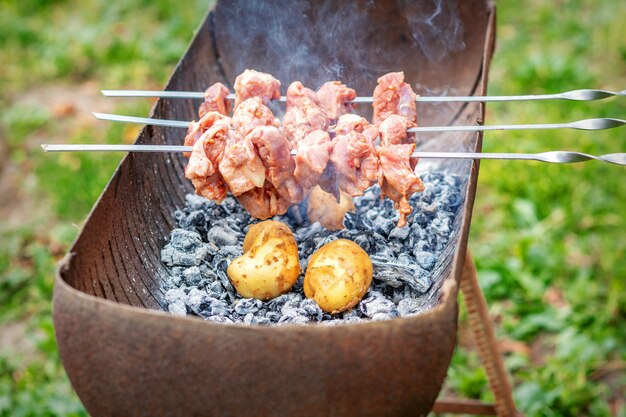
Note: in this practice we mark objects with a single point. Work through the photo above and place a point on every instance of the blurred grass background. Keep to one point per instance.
(549, 240)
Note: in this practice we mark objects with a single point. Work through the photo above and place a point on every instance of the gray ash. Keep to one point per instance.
(406, 260)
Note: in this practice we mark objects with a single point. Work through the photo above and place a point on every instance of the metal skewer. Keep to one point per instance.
(576, 95)
(586, 124)
(557, 157)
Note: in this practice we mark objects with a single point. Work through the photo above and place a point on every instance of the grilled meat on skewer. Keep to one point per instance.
(251, 83)
(203, 166)
(215, 100)
(393, 96)
(252, 113)
(241, 165)
(394, 112)
(354, 156)
(333, 97)
(274, 149)
(303, 113)
(312, 155)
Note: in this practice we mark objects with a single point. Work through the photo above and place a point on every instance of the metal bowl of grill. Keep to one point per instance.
(125, 355)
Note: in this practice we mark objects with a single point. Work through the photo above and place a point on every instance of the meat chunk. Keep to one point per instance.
(351, 122)
(334, 98)
(263, 203)
(202, 168)
(241, 165)
(253, 113)
(393, 131)
(215, 100)
(197, 129)
(251, 83)
(393, 96)
(274, 149)
(398, 180)
(303, 113)
(312, 155)
(355, 162)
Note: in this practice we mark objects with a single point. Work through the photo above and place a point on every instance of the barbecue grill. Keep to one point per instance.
(125, 356)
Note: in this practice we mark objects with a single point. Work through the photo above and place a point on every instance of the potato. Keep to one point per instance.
(269, 265)
(338, 276)
(323, 208)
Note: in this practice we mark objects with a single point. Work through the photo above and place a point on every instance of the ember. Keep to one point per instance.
(211, 235)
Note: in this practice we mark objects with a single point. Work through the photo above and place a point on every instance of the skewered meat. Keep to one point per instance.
(333, 97)
(354, 157)
(215, 100)
(393, 96)
(197, 129)
(253, 113)
(303, 113)
(393, 131)
(312, 155)
(241, 165)
(398, 181)
(395, 112)
(351, 122)
(251, 83)
(274, 149)
(263, 203)
(202, 168)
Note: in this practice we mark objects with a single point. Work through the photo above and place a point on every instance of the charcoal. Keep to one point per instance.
(248, 306)
(222, 236)
(185, 248)
(375, 303)
(196, 202)
(409, 306)
(399, 233)
(311, 309)
(209, 236)
(177, 307)
(425, 259)
(397, 273)
(293, 318)
(192, 276)
(174, 295)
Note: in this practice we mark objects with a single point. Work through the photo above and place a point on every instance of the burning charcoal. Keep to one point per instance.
(222, 236)
(192, 276)
(399, 233)
(375, 303)
(383, 225)
(247, 306)
(425, 259)
(353, 312)
(273, 316)
(219, 319)
(409, 306)
(353, 221)
(185, 249)
(174, 295)
(395, 274)
(293, 319)
(215, 288)
(311, 309)
(210, 235)
(231, 252)
(195, 202)
(194, 219)
(178, 308)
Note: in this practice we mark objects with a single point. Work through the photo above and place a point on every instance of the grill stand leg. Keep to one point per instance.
(482, 329)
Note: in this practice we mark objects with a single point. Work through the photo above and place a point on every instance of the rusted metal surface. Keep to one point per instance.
(125, 357)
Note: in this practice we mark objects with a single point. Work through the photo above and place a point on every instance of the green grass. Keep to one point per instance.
(548, 240)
